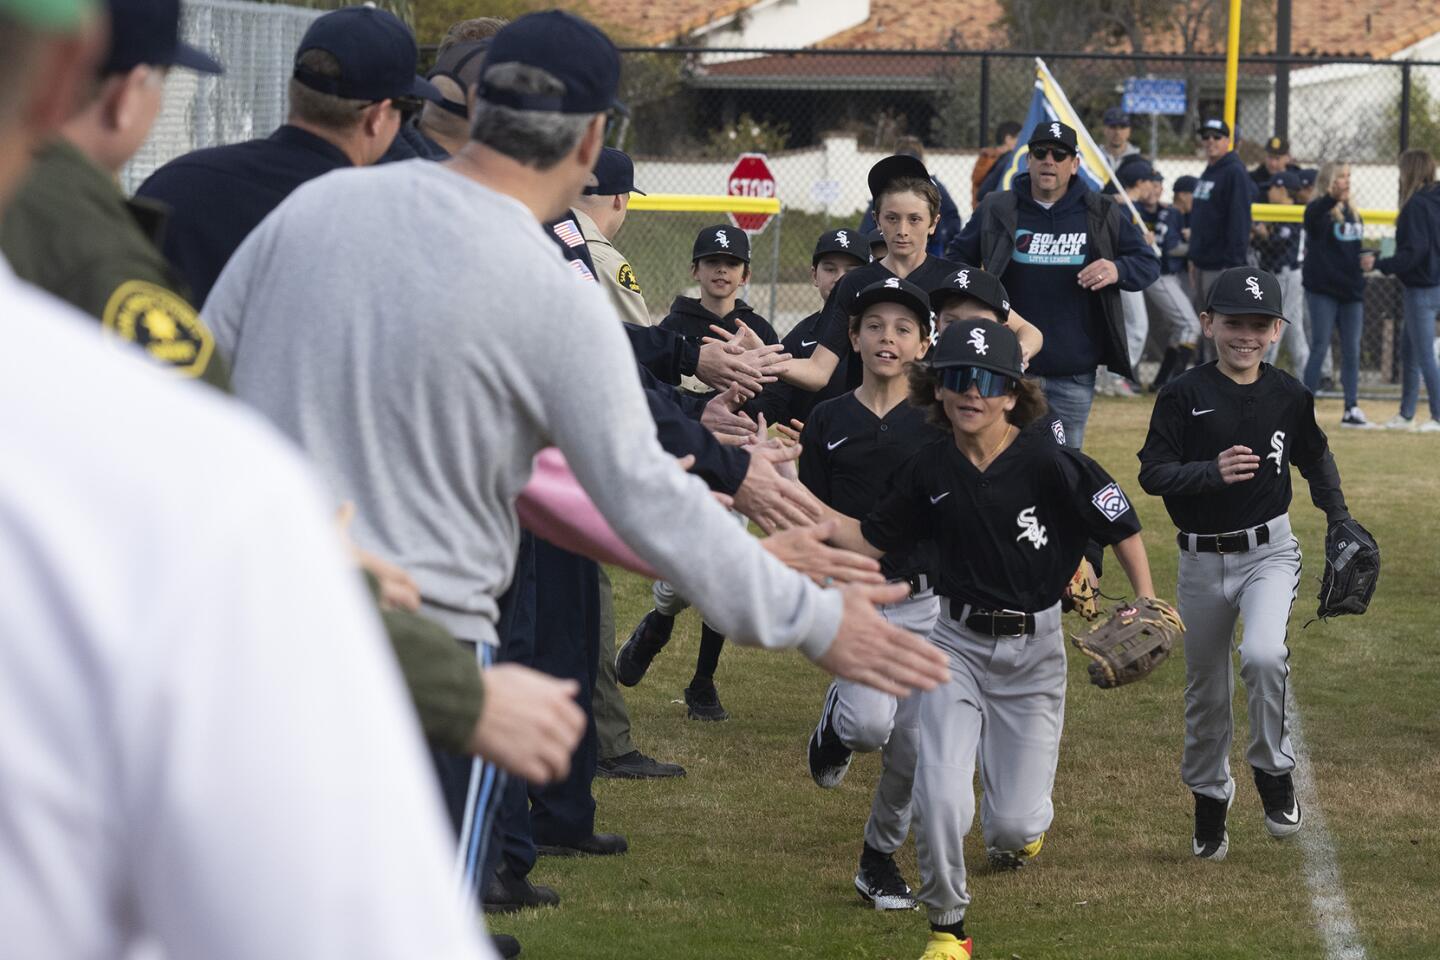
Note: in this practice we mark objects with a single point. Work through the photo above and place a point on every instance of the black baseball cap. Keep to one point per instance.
(613, 175)
(975, 283)
(461, 65)
(1134, 170)
(721, 240)
(875, 238)
(1116, 117)
(894, 290)
(1186, 184)
(1277, 146)
(1213, 125)
(1241, 291)
(1053, 131)
(571, 49)
(148, 32)
(978, 343)
(892, 168)
(846, 242)
(376, 53)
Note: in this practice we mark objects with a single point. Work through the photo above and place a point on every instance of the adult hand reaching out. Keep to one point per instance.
(870, 650)
(769, 499)
(724, 364)
(804, 549)
(723, 418)
(529, 724)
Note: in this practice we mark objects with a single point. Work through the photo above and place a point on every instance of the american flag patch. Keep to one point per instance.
(569, 233)
(583, 270)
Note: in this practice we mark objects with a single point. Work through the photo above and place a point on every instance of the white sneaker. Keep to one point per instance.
(1429, 426)
(1398, 422)
(1355, 417)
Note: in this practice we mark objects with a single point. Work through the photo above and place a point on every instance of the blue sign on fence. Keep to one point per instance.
(1149, 95)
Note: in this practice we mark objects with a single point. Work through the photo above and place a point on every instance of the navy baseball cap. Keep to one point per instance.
(1277, 146)
(721, 240)
(894, 290)
(1053, 131)
(148, 32)
(1308, 176)
(1243, 291)
(614, 174)
(978, 343)
(892, 168)
(876, 238)
(571, 49)
(1134, 170)
(1213, 125)
(846, 242)
(376, 53)
(460, 64)
(1115, 117)
(1288, 179)
(974, 283)
(1186, 184)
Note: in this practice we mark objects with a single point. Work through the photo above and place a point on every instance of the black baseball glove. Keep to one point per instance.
(1352, 568)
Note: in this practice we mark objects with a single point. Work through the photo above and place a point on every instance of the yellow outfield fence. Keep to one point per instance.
(701, 203)
(1294, 213)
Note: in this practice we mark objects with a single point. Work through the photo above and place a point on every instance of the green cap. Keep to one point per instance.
(56, 15)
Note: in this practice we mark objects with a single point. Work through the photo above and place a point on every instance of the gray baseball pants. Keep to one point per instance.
(1170, 304)
(867, 720)
(1137, 325)
(1292, 334)
(1005, 707)
(1213, 590)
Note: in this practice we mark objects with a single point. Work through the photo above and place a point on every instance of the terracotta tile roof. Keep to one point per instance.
(925, 25)
(648, 22)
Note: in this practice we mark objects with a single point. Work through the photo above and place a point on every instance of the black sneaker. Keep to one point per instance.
(1282, 810)
(636, 766)
(703, 701)
(508, 893)
(595, 845)
(646, 640)
(505, 945)
(828, 756)
(879, 882)
(1210, 842)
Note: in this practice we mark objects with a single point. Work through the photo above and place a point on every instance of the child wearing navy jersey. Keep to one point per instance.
(1010, 512)
(1222, 439)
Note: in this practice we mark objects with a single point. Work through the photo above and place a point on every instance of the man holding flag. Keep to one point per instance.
(1064, 251)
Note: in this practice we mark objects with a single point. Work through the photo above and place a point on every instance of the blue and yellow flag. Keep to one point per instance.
(1049, 104)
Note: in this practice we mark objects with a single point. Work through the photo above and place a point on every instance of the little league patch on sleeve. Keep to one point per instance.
(626, 278)
(162, 323)
(1057, 429)
(1110, 500)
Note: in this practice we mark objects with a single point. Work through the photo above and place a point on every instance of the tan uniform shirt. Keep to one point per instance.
(615, 273)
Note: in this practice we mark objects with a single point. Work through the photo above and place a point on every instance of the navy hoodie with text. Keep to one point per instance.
(1220, 218)
(1416, 261)
(1332, 252)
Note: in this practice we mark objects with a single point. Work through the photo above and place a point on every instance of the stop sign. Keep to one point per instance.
(750, 177)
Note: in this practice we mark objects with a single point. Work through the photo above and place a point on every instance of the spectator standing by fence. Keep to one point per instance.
(1220, 218)
(1334, 278)
(1416, 262)
(1116, 139)
(1277, 249)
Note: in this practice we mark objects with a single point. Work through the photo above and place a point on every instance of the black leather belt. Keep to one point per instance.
(918, 582)
(1237, 542)
(993, 623)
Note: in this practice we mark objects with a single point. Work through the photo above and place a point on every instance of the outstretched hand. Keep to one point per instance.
(804, 550)
(870, 650)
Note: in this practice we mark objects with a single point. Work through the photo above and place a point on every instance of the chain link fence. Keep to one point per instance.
(822, 117)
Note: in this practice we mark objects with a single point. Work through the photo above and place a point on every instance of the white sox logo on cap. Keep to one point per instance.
(1005, 305)
(1054, 129)
(842, 238)
(1253, 285)
(721, 239)
(977, 340)
(962, 279)
(893, 283)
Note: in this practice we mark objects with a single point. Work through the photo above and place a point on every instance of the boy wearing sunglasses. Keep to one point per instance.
(1065, 252)
(1220, 218)
(1010, 512)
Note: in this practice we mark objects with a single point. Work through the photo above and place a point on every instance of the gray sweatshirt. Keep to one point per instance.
(419, 336)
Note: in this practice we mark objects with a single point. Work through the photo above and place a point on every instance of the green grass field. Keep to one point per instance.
(747, 858)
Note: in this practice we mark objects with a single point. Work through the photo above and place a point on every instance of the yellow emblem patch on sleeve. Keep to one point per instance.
(626, 278)
(162, 323)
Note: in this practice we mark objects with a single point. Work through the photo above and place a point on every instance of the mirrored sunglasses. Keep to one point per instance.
(988, 382)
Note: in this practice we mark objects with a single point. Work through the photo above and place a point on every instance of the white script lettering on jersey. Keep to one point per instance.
(721, 239)
(977, 340)
(1277, 449)
(1030, 528)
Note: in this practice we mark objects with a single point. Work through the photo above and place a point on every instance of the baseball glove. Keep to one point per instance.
(1134, 640)
(1352, 569)
(1081, 593)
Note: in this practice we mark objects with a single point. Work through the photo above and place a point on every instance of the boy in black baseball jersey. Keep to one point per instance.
(851, 447)
(837, 252)
(1010, 511)
(1221, 442)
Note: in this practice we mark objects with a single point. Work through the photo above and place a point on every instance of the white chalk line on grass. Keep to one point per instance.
(1322, 871)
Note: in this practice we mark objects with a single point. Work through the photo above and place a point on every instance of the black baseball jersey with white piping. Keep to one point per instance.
(1010, 537)
(781, 401)
(1203, 413)
(849, 457)
(835, 317)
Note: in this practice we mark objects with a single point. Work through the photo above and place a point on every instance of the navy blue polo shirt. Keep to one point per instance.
(218, 195)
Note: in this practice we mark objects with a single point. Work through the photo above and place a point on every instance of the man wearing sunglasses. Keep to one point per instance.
(1064, 252)
(1220, 218)
(354, 76)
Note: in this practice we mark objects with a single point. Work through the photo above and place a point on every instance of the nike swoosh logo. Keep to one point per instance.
(832, 446)
(942, 496)
(1200, 413)
(808, 343)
